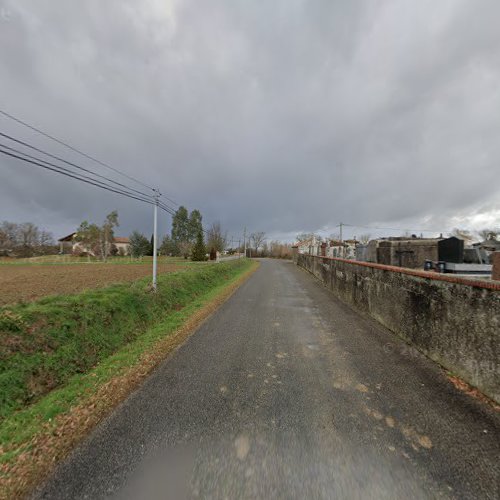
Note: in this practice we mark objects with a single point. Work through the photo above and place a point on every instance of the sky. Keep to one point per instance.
(285, 117)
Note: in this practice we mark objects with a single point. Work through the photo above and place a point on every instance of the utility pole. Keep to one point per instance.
(239, 249)
(245, 241)
(155, 240)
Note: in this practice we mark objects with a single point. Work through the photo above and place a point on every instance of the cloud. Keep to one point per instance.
(278, 116)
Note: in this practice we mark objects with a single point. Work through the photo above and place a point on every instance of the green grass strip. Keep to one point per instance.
(92, 337)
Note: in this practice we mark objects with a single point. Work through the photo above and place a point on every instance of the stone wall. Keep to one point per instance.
(454, 321)
(495, 260)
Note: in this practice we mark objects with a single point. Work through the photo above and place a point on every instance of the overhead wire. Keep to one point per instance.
(19, 155)
(33, 160)
(74, 174)
(78, 151)
(121, 189)
(26, 144)
(72, 148)
(61, 170)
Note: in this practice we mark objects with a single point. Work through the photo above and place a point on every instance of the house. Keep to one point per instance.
(342, 249)
(69, 245)
(330, 248)
(122, 244)
(309, 246)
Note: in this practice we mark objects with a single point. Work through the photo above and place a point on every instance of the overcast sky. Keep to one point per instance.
(281, 116)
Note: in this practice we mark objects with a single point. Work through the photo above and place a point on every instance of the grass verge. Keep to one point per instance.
(35, 437)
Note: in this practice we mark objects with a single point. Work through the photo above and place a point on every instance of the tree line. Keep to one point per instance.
(187, 238)
(260, 247)
(25, 240)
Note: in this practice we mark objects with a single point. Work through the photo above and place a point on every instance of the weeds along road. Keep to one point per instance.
(287, 393)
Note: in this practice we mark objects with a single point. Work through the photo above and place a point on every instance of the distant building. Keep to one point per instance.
(485, 248)
(407, 252)
(490, 245)
(334, 248)
(309, 246)
(69, 245)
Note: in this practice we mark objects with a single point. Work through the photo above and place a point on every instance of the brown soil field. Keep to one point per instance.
(26, 283)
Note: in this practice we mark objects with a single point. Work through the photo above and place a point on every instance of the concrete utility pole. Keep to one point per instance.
(245, 241)
(155, 240)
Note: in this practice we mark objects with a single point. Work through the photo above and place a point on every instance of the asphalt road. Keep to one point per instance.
(285, 392)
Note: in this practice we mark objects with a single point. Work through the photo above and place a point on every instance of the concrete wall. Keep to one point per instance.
(454, 321)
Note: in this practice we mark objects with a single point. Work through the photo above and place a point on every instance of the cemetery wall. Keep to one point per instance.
(495, 260)
(454, 321)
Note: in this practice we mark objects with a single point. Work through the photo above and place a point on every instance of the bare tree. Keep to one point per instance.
(24, 240)
(365, 238)
(46, 239)
(257, 239)
(489, 234)
(280, 250)
(307, 236)
(8, 236)
(28, 235)
(185, 248)
(463, 234)
(216, 239)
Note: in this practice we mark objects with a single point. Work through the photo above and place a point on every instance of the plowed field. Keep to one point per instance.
(30, 282)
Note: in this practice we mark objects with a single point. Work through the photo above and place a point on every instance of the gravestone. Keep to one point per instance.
(451, 250)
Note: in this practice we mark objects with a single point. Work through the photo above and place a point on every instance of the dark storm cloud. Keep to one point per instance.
(281, 116)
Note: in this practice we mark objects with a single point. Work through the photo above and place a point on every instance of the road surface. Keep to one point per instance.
(285, 392)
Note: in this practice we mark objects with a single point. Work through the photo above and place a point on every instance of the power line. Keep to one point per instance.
(33, 160)
(86, 155)
(70, 163)
(122, 189)
(68, 173)
(74, 174)
(93, 182)
(62, 143)
(170, 200)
